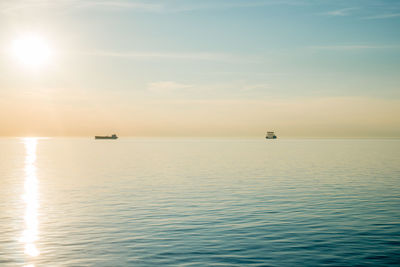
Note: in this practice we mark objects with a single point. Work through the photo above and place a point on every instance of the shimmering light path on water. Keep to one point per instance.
(233, 202)
(30, 197)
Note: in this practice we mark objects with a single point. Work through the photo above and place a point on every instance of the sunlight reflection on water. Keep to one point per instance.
(149, 202)
(30, 197)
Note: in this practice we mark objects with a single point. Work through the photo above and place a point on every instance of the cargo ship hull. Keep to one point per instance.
(106, 137)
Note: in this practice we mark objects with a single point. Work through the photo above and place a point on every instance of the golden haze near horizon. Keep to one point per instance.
(325, 117)
(52, 85)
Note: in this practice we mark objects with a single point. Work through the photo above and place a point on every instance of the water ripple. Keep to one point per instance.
(199, 202)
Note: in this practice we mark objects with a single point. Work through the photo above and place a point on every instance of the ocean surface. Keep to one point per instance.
(199, 202)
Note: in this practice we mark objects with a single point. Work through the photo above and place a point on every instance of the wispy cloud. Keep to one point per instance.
(9, 7)
(162, 55)
(167, 87)
(353, 47)
(384, 16)
(340, 12)
(184, 5)
(20, 5)
(139, 5)
(207, 90)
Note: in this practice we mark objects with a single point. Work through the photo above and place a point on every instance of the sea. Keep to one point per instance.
(199, 202)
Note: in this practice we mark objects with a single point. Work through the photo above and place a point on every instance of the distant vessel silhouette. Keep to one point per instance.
(271, 135)
(114, 136)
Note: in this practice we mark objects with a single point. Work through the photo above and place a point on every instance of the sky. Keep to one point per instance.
(234, 68)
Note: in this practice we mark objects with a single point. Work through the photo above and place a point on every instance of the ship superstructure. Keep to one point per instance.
(271, 135)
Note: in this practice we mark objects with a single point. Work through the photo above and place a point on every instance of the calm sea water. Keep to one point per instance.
(206, 202)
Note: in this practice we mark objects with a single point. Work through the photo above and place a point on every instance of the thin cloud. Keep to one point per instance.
(122, 5)
(354, 47)
(340, 12)
(15, 6)
(384, 16)
(235, 89)
(154, 6)
(161, 55)
(167, 86)
(183, 6)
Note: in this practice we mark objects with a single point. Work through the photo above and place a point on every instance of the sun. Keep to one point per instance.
(31, 50)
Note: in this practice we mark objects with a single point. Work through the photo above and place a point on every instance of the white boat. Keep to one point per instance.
(271, 135)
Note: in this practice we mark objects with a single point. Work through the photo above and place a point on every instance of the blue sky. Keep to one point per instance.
(127, 54)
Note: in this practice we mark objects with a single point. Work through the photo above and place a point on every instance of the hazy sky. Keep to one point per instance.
(314, 68)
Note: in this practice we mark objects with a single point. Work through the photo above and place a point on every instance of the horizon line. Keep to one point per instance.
(203, 137)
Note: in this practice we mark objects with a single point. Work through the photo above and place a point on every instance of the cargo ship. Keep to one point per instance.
(114, 136)
(271, 135)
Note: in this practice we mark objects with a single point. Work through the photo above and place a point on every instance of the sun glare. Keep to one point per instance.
(31, 50)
